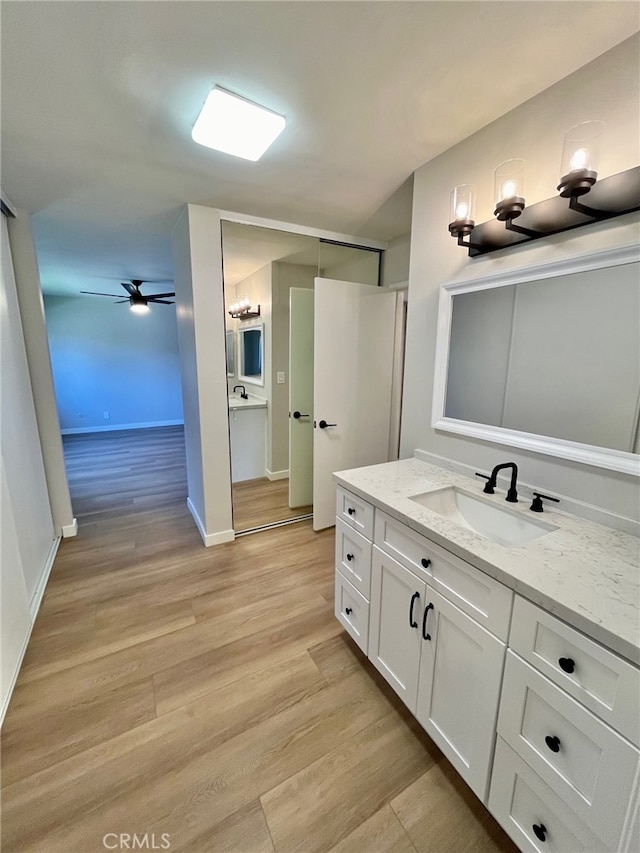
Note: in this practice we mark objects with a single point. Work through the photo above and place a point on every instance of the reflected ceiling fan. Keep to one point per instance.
(137, 300)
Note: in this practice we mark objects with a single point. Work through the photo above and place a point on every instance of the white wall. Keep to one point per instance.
(197, 262)
(107, 359)
(395, 261)
(27, 279)
(608, 89)
(29, 541)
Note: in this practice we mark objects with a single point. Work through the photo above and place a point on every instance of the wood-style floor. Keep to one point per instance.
(208, 698)
(259, 502)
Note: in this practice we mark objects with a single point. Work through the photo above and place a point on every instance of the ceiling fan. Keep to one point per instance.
(137, 300)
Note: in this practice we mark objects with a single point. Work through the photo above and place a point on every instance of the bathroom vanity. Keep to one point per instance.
(247, 434)
(516, 650)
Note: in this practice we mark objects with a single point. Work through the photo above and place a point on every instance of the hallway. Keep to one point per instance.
(208, 697)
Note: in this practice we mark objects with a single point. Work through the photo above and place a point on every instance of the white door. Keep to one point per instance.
(300, 397)
(353, 368)
(395, 624)
(460, 675)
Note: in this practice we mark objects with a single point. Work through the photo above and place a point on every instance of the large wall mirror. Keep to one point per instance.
(546, 358)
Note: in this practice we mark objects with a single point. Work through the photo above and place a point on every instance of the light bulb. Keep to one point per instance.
(508, 189)
(139, 307)
(579, 159)
(462, 210)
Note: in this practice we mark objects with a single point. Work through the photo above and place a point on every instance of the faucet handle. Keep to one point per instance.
(488, 489)
(536, 505)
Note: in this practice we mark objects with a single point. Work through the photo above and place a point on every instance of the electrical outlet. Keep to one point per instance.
(106, 415)
(280, 377)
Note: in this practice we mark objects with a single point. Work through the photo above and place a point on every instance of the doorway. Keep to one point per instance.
(266, 274)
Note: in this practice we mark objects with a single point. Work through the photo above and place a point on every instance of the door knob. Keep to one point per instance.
(323, 424)
(297, 415)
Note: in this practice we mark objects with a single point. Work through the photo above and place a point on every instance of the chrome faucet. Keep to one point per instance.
(243, 393)
(512, 494)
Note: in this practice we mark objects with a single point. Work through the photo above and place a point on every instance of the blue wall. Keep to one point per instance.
(108, 359)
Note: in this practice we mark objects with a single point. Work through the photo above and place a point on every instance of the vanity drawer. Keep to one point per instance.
(586, 763)
(608, 685)
(353, 557)
(352, 610)
(486, 600)
(355, 512)
(520, 801)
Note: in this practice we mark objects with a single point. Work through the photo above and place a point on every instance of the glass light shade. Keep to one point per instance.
(580, 158)
(462, 203)
(139, 307)
(509, 189)
(234, 125)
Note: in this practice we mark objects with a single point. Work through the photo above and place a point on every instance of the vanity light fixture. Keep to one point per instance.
(609, 197)
(235, 125)
(242, 310)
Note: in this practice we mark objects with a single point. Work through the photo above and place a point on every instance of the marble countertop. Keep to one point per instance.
(236, 402)
(584, 573)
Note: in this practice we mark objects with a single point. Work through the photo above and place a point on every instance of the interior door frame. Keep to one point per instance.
(224, 489)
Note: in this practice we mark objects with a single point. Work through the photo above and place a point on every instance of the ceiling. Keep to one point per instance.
(98, 101)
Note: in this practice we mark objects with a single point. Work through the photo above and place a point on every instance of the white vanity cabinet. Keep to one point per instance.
(429, 614)
(583, 766)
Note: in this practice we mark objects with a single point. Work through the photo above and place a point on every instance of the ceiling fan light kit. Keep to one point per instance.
(234, 125)
(138, 302)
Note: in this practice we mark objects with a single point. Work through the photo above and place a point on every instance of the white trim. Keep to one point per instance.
(34, 607)
(276, 475)
(276, 225)
(525, 490)
(209, 539)
(116, 427)
(600, 457)
(69, 530)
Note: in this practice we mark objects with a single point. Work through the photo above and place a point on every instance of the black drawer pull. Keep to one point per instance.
(424, 621)
(540, 831)
(349, 557)
(425, 562)
(351, 511)
(553, 743)
(414, 598)
(567, 664)
(348, 611)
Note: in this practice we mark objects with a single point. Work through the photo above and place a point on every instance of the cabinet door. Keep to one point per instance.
(397, 603)
(459, 688)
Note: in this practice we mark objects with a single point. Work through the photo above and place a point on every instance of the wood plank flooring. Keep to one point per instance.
(208, 694)
(259, 502)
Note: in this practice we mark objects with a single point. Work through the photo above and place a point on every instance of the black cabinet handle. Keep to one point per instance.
(540, 831)
(553, 743)
(424, 621)
(323, 424)
(426, 562)
(297, 415)
(351, 511)
(348, 610)
(349, 557)
(567, 664)
(414, 598)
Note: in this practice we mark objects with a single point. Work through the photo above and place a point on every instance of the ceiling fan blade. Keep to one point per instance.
(93, 293)
(130, 288)
(161, 301)
(119, 301)
(159, 295)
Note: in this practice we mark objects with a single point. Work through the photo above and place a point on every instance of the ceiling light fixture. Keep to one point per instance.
(235, 125)
(139, 307)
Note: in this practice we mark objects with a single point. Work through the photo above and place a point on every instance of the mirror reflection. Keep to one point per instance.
(250, 346)
(558, 357)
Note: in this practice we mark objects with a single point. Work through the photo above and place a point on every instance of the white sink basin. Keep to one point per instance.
(495, 523)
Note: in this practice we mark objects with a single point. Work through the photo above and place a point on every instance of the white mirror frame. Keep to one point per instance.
(240, 364)
(600, 457)
(230, 342)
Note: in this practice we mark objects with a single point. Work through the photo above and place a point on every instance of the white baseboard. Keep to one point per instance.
(114, 427)
(69, 530)
(209, 539)
(34, 606)
(276, 475)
